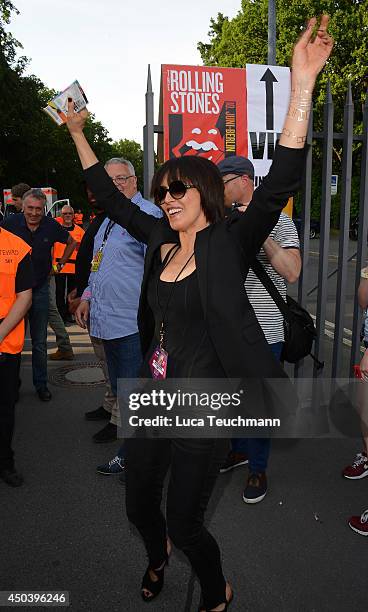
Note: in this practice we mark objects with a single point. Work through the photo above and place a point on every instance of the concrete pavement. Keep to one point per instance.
(65, 528)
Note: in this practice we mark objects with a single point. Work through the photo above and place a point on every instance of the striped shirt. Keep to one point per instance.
(268, 315)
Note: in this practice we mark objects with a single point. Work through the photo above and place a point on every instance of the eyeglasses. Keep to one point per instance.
(122, 179)
(231, 179)
(66, 214)
(177, 190)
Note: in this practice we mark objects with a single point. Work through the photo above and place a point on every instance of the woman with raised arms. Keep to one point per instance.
(194, 316)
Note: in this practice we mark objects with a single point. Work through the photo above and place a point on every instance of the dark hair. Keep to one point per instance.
(19, 190)
(203, 174)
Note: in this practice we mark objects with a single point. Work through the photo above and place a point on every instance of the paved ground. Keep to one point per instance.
(66, 529)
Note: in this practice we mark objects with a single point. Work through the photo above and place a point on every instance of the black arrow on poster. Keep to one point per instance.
(269, 79)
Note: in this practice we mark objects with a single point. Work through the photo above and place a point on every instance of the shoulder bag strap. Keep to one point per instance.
(262, 275)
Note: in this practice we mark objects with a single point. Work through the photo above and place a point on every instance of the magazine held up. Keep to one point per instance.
(57, 108)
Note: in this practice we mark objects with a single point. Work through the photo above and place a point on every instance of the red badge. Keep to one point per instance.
(158, 363)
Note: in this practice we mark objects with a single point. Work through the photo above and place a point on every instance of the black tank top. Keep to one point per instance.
(187, 342)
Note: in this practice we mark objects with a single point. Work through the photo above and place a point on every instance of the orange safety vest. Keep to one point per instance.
(12, 251)
(78, 218)
(77, 234)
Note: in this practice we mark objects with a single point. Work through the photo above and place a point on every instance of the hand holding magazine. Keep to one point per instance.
(57, 108)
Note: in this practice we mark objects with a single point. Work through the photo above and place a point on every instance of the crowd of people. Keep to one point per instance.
(154, 279)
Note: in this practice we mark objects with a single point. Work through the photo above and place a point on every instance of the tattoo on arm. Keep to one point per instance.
(290, 134)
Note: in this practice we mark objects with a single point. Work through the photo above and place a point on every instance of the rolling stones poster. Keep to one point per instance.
(218, 112)
(204, 111)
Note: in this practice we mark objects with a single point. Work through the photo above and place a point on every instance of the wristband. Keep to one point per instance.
(364, 273)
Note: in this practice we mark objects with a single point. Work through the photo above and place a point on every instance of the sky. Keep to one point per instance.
(108, 45)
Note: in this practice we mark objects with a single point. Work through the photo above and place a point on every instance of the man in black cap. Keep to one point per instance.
(280, 258)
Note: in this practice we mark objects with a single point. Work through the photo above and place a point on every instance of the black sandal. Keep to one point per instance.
(154, 587)
(228, 602)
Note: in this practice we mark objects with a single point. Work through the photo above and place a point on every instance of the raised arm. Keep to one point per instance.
(119, 208)
(309, 56)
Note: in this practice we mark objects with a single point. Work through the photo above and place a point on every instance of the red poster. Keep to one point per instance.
(204, 111)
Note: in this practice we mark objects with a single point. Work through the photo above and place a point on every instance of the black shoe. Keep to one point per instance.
(100, 414)
(115, 466)
(228, 602)
(11, 477)
(151, 588)
(44, 394)
(256, 488)
(107, 434)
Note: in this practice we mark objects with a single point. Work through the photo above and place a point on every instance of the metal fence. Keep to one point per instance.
(328, 136)
(335, 366)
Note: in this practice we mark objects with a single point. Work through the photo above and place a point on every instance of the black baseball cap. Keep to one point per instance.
(236, 164)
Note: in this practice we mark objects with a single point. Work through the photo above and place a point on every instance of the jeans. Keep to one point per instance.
(9, 377)
(109, 401)
(56, 322)
(38, 316)
(257, 449)
(195, 466)
(124, 360)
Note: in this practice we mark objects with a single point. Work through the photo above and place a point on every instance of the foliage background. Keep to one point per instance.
(32, 148)
(243, 39)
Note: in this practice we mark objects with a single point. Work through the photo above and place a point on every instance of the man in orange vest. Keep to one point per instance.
(78, 217)
(16, 280)
(65, 279)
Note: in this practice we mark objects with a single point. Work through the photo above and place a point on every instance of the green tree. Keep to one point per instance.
(243, 39)
(32, 148)
(8, 44)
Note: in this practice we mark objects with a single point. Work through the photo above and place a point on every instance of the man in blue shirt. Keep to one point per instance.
(40, 232)
(111, 299)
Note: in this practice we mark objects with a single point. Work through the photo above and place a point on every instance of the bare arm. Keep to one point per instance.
(16, 313)
(286, 262)
(284, 176)
(309, 58)
(75, 125)
(119, 208)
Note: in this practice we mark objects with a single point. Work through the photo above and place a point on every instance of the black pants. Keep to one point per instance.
(9, 377)
(194, 468)
(65, 283)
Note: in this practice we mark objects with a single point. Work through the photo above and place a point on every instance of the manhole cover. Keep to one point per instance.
(78, 375)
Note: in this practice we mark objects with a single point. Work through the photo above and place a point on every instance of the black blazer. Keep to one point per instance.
(223, 253)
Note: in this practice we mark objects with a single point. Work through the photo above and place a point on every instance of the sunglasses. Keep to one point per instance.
(177, 190)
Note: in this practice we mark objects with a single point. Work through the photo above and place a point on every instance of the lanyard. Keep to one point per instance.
(97, 258)
(164, 310)
(108, 229)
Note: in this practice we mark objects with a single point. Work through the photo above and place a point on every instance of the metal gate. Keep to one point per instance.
(334, 366)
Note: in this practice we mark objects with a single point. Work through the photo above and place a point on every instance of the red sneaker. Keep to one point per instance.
(360, 523)
(358, 469)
